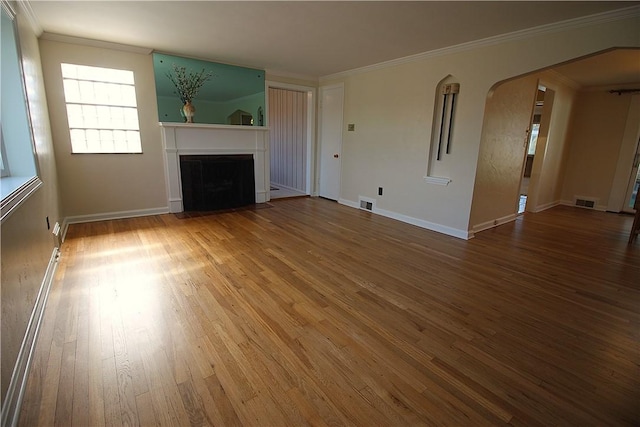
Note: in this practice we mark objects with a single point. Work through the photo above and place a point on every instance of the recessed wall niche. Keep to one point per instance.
(231, 88)
(443, 126)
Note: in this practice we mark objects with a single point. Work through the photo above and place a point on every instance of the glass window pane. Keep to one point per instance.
(101, 107)
(71, 91)
(130, 118)
(74, 114)
(133, 139)
(102, 93)
(90, 115)
(87, 94)
(128, 96)
(78, 141)
(69, 70)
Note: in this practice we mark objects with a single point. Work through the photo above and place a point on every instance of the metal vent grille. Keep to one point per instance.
(366, 205)
(586, 203)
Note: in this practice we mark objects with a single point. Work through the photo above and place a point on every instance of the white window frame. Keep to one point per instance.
(4, 166)
(19, 175)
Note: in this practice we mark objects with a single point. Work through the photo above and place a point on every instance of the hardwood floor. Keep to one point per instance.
(312, 313)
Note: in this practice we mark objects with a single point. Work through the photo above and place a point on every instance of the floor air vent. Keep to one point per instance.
(586, 203)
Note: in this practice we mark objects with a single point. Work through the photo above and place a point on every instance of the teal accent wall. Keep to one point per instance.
(230, 88)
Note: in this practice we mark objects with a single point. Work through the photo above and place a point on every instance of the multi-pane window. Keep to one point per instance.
(102, 109)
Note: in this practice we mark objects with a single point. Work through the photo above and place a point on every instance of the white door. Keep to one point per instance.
(331, 110)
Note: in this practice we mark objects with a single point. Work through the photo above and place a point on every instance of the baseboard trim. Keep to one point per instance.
(545, 206)
(15, 392)
(79, 219)
(492, 223)
(572, 203)
(431, 226)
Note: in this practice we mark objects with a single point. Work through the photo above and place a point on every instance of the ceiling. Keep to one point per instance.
(312, 39)
(616, 67)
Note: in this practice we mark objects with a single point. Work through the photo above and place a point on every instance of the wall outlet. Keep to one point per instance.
(379, 191)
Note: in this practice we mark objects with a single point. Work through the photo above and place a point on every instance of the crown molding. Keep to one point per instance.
(27, 10)
(8, 8)
(600, 18)
(95, 43)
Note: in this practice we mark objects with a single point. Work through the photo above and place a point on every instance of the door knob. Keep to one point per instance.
(335, 156)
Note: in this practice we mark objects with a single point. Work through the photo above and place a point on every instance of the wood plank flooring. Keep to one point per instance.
(311, 313)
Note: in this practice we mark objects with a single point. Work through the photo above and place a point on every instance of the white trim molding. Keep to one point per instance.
(492, 223)
(95, 43)
(209, 139)
(18, 196)
(572, 203)
(431, 226)
(27, 10)
(79, 219)
(544, 207)
(18, 383)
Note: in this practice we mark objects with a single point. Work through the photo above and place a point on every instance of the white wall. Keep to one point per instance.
(98, 184)
(392, 108)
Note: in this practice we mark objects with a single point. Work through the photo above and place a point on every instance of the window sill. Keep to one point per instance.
(16, 190)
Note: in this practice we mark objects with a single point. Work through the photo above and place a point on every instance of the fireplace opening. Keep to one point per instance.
(212, 183)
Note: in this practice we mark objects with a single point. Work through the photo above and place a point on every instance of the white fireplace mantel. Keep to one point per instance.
(196, 138)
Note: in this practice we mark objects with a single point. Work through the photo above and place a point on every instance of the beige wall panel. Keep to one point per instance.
(392, 109)
(94, 184)
(596, 134)
(502, 150)
(618, 197)
(27, 245)
(552, 150)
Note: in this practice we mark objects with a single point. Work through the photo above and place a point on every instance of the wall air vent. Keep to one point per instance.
(367, 204)
(586, 203)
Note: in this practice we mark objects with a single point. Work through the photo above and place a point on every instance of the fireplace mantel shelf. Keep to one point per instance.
(211, 126)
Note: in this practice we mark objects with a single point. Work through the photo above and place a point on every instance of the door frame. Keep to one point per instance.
(311, 126)
(633, 177)
(622, 176)
(527, 138)
(320, 118)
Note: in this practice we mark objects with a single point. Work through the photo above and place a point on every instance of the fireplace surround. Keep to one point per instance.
(189, 139)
